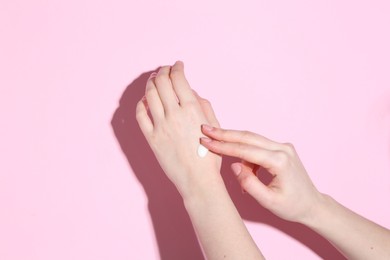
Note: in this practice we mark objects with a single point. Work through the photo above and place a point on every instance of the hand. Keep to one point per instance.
(290, 195)
(173, 128)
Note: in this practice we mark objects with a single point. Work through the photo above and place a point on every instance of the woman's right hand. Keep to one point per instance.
(290, 195)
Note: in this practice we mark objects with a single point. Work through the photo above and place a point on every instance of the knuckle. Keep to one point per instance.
(289, 148)
(281, 159)
(205, 102)
(166, 68)
(240, 151)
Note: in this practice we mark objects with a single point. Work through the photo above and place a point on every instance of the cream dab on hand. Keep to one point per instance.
(202, 151)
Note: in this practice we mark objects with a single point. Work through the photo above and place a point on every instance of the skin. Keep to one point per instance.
(291, 194)
(170, 117)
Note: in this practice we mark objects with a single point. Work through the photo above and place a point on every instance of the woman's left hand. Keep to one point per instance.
(173, 128)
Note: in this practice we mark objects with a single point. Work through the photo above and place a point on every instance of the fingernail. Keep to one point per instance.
(154, 74)
(236, 168)
(207, 127)
(205, 139)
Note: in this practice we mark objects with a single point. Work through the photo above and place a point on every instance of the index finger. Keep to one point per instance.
(254, 154)
(240, 137)
(180, 84)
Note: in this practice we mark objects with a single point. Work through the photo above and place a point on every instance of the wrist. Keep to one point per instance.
(318, 211)
(200, 184)
(206, 198)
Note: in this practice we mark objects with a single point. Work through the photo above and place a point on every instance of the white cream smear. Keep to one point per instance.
(202, 151)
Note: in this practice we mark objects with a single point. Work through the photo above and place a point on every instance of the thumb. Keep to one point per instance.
(251, 184)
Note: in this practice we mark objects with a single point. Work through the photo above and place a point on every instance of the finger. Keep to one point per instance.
(165, 89)
(251, 184)
(240, 137)
(247, 152)
(252, 166)
(153, 99)
(143, 118)
(207, 110)
(180, 84)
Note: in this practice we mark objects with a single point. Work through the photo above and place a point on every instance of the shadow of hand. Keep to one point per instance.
(174, 233)
(173, 229)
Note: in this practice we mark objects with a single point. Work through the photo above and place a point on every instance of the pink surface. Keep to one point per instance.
(77, 180)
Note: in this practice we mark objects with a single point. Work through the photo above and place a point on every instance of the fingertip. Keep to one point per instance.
(179, 65)
(164, 69)
(205, 140)
(207, 128)
(236, 168)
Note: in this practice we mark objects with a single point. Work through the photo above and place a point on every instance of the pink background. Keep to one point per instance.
(77, 180)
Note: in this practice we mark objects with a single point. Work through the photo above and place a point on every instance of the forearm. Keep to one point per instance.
(220, 229)
(353, 235)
